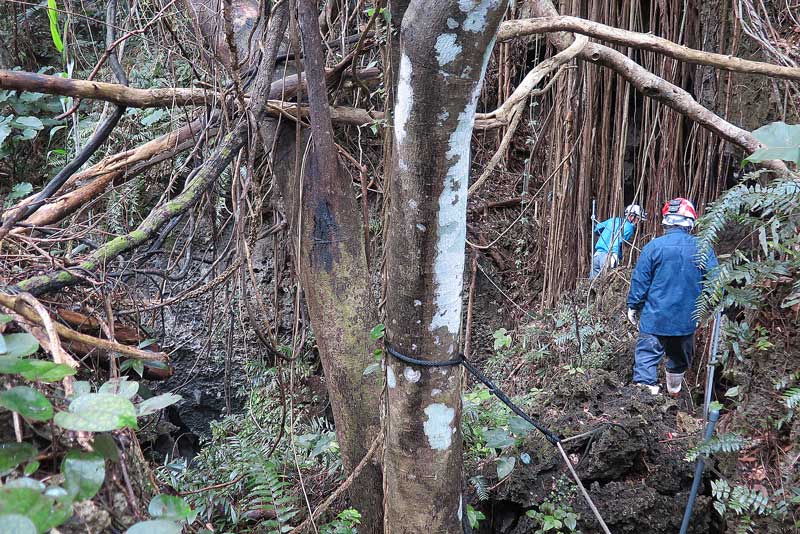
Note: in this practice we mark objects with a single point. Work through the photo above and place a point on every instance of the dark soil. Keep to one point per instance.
(632, 464)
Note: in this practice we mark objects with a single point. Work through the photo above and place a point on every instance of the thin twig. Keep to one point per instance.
(343, 487)
(59, 355)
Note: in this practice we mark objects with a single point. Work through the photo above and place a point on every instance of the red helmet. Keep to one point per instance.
(679, 206)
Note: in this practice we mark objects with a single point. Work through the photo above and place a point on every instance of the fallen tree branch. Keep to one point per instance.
(196, 184)
(109, 92)
(521, 27)
(363, 117)
(147, 98)
(20, 304)
(129, 163)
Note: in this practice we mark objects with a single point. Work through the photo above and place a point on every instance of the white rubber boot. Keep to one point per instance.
(674, 382)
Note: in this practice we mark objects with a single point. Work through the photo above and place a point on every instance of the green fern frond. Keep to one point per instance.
(792, 398)
(481, 486)
(724, 443)
(269, 491)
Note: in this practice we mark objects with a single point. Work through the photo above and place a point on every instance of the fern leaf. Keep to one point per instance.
(792, 398)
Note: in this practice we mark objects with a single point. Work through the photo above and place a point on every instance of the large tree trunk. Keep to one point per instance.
(331, 262)
(444, 49)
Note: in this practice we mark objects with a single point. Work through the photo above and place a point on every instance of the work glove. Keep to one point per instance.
(633, 317)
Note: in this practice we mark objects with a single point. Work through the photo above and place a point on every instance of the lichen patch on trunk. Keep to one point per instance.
(437, 427)
(447, 49)
(412, 375)
(476, 13)
(405, 99)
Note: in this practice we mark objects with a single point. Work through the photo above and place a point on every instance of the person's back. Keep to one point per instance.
(611, 233)
(669, 279)
(665, 286)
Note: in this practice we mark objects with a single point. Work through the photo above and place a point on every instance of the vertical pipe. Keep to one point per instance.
(712, 363)
(698, 473)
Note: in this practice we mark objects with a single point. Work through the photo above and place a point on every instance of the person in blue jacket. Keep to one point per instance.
(666, 283)
(611, 232)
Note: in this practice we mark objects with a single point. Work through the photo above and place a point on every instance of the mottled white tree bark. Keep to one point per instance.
(444, 50)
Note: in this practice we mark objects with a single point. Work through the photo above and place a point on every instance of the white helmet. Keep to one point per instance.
(635, 210)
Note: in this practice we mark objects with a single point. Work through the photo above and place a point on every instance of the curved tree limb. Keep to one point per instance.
(645, 41)
(653, 86)
(536, 75)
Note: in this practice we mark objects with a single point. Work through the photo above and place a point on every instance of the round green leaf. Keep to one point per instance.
(780, 140)
(157, 526)
(169, 507)
(28, 122)
(31, 468)
(120, 386)
(13, 454)
(5, 130)
(16, 524)
(497, 438)
(153, 404)
(44, 371)
(41, 370)
(84, 473)
(11, 365)
(505, 465)
(97, 412)
(45, 512)
(19, 345)
(27, 402)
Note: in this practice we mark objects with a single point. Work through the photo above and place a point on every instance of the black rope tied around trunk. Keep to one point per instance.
(474, 371)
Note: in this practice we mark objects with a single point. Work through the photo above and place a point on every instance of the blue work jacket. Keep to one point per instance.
(666, 283)
(612, 231)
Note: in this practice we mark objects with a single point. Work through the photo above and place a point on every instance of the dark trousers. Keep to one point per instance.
(650, 349)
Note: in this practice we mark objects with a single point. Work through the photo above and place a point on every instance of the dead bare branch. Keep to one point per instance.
(518, 28)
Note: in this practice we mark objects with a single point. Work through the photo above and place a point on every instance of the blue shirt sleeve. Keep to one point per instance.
(641, 280)
(600, 226)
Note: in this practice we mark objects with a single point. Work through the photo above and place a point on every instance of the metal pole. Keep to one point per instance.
(712, 364)
(698, 473)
